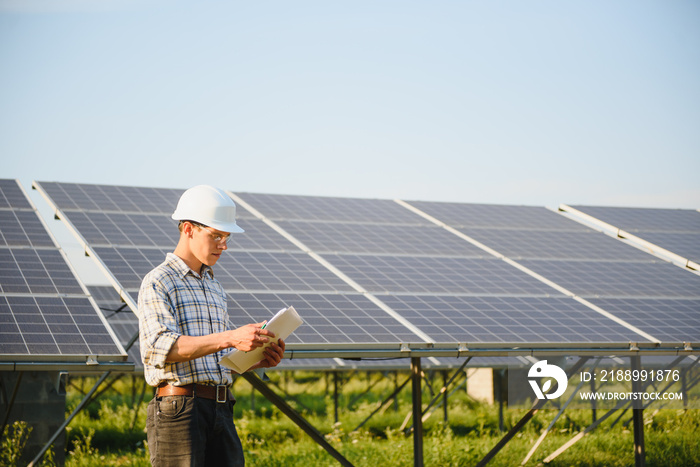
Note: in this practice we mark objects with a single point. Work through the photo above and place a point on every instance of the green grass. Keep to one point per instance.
(103, 435)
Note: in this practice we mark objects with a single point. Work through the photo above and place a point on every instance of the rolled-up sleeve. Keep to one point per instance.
(158, 329)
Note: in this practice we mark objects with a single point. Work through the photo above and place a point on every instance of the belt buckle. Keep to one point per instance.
(221, 393)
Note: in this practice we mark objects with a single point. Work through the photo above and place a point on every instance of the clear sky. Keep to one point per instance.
(508, 102)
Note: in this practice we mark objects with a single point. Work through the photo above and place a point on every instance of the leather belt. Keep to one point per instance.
(218, 393)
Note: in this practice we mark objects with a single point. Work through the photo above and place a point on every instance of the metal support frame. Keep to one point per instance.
(595, 424)
(556, 418)
(294, 416)
(526, 418)
(385, 403)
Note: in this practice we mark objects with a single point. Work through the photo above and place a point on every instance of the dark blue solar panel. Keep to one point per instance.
(507, 319)
(495, 216)
(619, 279)
(442, 275)
(666, 319)
(552, 244)
(240, 270)
(317, 208)
(345, 237)
(328, 318)
(646, 219)
(12, 196)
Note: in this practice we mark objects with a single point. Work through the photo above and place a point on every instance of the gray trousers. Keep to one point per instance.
(189, 431)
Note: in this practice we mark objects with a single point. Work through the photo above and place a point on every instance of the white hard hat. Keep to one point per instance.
(209, 206)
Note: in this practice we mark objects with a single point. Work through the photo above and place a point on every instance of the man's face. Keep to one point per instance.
(208, 244)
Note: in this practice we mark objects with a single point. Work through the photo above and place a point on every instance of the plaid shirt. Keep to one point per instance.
(175, 301)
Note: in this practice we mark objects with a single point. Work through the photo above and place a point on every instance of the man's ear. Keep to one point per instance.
(188, 229)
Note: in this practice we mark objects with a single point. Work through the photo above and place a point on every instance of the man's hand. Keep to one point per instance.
(250, 336)
(273, 355)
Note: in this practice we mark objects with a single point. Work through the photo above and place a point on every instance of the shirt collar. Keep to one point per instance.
(183, 269)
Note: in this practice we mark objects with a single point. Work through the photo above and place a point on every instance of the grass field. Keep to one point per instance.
(110, 431)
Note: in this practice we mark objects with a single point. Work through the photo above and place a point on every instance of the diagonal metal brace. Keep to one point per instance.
(526, 418)
(294, 416)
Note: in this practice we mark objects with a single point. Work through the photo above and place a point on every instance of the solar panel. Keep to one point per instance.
(646, 219)
(45, 314)
(36, 271)
(555, 244)
(437, 275)
(329, 319)
(237, 271)
(23, 228)
(671, 319)
(12, 196)
(675, 230)
(107, 198)
(619, 279)
(345, 237)
(284, 207)
(507, 319)
(406, 276)
(496, 216)
(683, 244)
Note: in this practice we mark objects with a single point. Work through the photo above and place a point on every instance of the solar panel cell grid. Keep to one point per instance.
(332, 237)
(444, 275)
(496, 216)
(646, 219)
(619, 279)
(507, 319)
(23, 228)
(71, 197)
(542, 244)
(331, 319)
(12, 196)
(668, 319)
(53, 326)
(686, 245)
(281, 207)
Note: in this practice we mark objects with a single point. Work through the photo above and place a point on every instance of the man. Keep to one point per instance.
(184, 331)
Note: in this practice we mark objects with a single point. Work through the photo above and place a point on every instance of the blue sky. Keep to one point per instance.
(508, 102)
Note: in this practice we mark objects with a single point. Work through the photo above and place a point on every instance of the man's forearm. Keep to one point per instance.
(188, 348)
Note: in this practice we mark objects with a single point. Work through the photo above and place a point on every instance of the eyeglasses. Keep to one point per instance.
(218, 238)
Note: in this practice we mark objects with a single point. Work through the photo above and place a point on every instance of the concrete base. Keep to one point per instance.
(41, 404)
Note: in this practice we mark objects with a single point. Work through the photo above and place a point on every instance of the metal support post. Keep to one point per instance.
(638, 415)
(335, 395)
(417, 409)
(444, 394)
